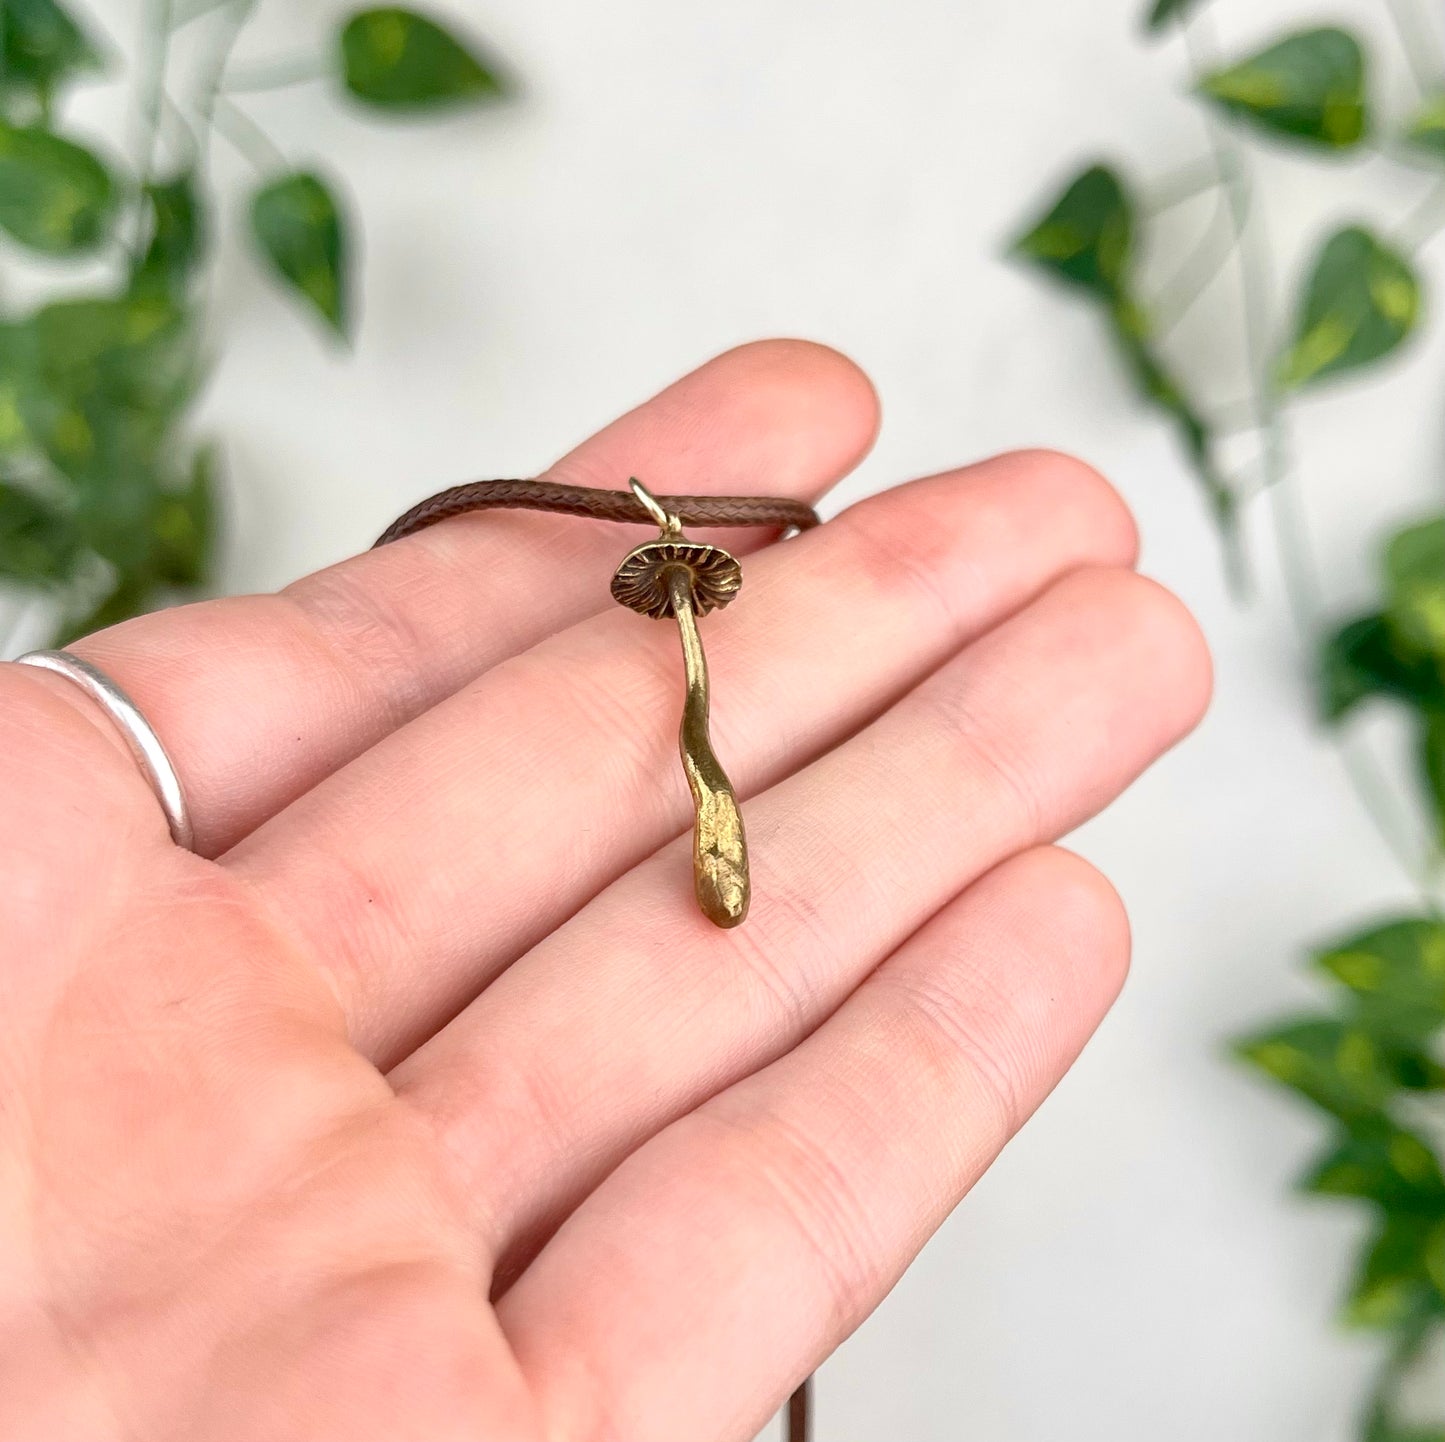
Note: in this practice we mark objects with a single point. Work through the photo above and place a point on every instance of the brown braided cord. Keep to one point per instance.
(800, 1406)
(600, 505)
(605, 505)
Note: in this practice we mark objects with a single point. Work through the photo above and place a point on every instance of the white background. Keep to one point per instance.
(679, 178)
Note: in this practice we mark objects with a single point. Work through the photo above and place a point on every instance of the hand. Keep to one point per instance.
(422, 1105)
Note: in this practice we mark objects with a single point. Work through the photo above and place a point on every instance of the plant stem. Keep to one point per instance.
(152, 90)
(208, 98)
(1423, 223)
(278, 74)
(247, 138)
(1233, 418)
(179, 119)
(1197, 272)
(1181, 185)
(198, 10)
(1417, 44)
(210, 93)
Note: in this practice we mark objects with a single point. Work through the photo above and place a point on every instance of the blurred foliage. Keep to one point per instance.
(1362, 300)
(1369, 1064)
(1308, 87)
(297, 225)
(1086, 239)
(1369, 1061)
(108, 503)
(400, 60)
(1167, 11)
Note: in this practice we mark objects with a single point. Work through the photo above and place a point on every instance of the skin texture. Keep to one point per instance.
(422, 1104)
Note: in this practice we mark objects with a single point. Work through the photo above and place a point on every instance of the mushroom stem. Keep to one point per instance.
(720, 853)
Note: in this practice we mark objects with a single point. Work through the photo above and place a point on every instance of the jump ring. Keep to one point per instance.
(140, 736)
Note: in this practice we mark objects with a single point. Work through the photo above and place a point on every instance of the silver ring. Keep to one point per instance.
(139, 735)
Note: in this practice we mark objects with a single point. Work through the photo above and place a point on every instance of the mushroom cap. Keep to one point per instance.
(641, 581)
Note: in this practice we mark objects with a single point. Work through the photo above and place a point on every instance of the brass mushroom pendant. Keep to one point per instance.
(674, 576)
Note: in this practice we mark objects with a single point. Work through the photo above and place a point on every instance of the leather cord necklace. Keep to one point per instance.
(672, 576)
(600, 505)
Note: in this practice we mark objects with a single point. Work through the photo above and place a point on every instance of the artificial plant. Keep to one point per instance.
(1368, 1059)
(108, 501)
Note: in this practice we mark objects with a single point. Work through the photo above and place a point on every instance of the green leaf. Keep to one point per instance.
(38, 541)
(398, 59)
(297, 222)
(1432, 763)
(1388, 1431)
(1397, 975)
(1361, 301)
(177, 243)
(1415, 574)
(1310, 86)
(1164, 12)
(115, 517)
(1338, 1066)
(153, 534)
(102, 383)
(1086, 240)
(184, 525)
(40, 45)
(1152, 378)
(1400, 1274)
(1158, 385)
(16, 369)
(1380, 1162)
(55, 197)
(134, 351)
(1426, 130)
(1364, 658)
(1087, 236)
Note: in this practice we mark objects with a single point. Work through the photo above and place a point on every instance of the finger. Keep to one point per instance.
(259, 697)
(75, 800)
(636, 1011)
(470, 834)
(728, 1257)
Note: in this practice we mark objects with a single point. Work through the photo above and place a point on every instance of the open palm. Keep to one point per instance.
(422, 1105)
